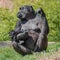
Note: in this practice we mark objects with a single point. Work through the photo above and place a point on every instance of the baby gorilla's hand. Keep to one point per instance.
(21, 42)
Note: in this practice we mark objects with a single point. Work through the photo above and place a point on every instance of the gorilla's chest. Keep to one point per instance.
(31, 24)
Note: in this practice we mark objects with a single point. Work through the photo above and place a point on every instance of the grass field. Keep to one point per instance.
(51, 8)
(8, 21)
(52, 52)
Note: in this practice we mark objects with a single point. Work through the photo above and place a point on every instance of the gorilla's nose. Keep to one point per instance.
(19, 15)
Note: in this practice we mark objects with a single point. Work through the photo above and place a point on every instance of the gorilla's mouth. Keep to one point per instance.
(22, 16)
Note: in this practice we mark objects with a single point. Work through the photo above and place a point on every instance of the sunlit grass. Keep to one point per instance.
(8, 53)
(51, 8)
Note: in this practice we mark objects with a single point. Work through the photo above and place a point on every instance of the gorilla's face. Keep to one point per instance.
(25, 12)
(41, 12)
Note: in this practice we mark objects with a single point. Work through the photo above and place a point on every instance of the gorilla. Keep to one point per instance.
(31, 30)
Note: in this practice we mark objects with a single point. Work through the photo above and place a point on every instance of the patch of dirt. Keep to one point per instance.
(5, 43)
(9, 43)
(54, 56)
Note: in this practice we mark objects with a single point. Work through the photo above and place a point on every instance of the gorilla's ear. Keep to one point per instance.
(31, 7)
(40, 11)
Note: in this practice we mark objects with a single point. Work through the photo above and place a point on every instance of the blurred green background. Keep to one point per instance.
(51, 8)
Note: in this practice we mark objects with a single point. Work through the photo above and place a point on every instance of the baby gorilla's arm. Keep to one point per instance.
(22, 36)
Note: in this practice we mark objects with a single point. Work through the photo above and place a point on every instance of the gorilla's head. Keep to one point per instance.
(25, 12)
(41, 12)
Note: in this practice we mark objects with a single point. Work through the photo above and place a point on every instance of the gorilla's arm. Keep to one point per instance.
(13, 33)
(18, 27)
(45, 28)
(41, 42)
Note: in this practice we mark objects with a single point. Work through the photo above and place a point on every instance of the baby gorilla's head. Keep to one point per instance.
(41, 12)
(25, 12)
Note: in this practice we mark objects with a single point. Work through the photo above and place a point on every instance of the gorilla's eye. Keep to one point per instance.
(21, 8)
(39, 12)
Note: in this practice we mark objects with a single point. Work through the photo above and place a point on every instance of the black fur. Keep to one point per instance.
(32, 28)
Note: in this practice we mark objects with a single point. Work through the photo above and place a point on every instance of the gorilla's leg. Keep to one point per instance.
(20, 48)
(24, 49)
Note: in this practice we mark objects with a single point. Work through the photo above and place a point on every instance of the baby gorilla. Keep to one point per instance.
(32, 28)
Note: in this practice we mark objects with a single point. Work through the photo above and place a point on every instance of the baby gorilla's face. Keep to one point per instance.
(25, 12)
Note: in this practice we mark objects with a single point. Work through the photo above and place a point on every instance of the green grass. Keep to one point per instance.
(8, 53)
(51, 8)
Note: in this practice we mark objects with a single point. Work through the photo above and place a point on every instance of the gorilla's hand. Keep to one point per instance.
(12, 33)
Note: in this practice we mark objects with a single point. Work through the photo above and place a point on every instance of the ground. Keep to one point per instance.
(52, 53)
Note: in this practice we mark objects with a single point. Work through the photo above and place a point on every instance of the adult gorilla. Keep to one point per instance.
(30, 33)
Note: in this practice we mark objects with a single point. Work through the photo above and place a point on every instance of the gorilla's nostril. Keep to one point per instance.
(19, 15)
